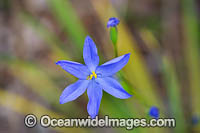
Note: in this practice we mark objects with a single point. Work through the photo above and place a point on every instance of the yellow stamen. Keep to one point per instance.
(94, 74)
(91, 76)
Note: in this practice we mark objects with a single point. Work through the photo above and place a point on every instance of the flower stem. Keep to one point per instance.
(116, 50)
(113, 38)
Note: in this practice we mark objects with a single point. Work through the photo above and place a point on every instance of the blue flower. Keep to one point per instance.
(154, 112)
(195, 120)
(93, 77)
(113, 22)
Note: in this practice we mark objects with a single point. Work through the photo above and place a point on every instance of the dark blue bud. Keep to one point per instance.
(113, 22)
(154, 112)
(195, 120)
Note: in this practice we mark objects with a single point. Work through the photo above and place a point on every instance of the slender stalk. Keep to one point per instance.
(116, 50)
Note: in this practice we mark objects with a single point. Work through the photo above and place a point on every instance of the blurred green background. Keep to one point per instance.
(164, 69)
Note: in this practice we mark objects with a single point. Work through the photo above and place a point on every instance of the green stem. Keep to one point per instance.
(116, 50)
(114, 37)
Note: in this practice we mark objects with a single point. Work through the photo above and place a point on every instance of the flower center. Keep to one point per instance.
(92, 75)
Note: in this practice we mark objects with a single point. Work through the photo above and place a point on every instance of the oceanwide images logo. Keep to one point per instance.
(128, 123)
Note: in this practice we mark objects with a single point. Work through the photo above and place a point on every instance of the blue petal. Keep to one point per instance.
(113, 87)
(154, 112)
(94, 93)
(78, 70)
(111, 67)
(90, 54)
(112, 22)
(73, 91)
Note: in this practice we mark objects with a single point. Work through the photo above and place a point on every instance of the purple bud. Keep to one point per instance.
(113, 22)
